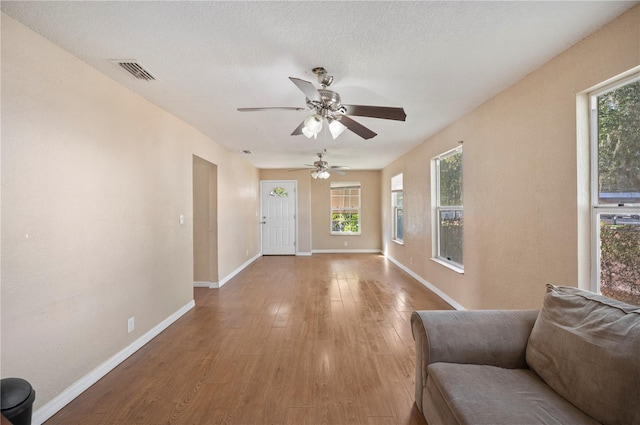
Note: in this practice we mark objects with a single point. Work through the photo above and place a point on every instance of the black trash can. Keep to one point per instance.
(16, 398)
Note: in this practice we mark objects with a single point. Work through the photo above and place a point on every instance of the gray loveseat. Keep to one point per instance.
(576, 361)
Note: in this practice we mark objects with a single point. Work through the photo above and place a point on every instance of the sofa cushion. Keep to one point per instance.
(481, 394)
(586, 347)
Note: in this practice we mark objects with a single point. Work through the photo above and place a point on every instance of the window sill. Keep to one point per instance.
(398, 242)
(448, 265)
(346, 234)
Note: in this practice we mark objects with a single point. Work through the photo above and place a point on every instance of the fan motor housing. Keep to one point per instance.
(321, 165)
(330, 100)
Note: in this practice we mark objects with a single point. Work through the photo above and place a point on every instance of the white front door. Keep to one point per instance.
(278, 205)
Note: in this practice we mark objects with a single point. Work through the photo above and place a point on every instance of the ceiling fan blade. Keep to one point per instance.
(301, 169)
(339, 167)
(384, 112)
(273, 108)
(356, 127)
(298, 129)
(341, 172)
(307, 88)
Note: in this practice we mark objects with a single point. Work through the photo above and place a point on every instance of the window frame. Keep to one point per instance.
(597, 208)
(397, 186)
(437, 208)
(345, 185)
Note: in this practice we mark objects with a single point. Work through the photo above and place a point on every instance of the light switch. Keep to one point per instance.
(181, 219)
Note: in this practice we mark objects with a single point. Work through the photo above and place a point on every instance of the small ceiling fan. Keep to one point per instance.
(327, 107)
(321, 168)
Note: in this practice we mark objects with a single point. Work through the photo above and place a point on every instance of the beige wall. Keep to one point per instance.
(313, 211)
(521, 192)
(94, 179)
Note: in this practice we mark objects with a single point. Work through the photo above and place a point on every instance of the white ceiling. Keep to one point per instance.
(438, 60)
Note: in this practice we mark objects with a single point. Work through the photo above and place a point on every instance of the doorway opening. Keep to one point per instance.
(205, 223)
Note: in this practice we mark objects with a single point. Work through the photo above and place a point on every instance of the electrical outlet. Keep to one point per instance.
(247, 252)
(346, 243)
(131, 324)
(411, 261)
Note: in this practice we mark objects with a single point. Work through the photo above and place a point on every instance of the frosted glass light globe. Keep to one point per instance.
(313, 123)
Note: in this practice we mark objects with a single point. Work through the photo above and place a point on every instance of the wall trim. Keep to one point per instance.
(231, 275)
(65, 397)
(303, 254)
(429, 285)
(205, 284)
(346, 251)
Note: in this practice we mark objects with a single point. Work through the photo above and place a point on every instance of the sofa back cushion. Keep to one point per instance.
(586, 347)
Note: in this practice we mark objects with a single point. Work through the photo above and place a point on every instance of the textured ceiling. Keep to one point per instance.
(439, 60)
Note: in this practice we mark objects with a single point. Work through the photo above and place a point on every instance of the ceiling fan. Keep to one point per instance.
(327, 107)
(321, 168)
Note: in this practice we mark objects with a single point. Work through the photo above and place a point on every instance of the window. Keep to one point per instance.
(448, 214)
(345, 208)
(397, 211)
(615, 193)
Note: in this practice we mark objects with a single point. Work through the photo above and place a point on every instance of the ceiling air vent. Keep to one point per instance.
(135, 69)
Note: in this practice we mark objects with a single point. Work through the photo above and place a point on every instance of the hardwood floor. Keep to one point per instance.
(290, 340)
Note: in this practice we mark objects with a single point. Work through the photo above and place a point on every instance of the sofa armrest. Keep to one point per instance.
(488, 337)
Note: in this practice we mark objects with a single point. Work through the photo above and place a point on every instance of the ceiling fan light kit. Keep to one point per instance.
(327, 106)
(320, 174)
(312, 126)
(336, 128)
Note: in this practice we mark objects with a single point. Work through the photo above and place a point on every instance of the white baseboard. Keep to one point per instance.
(205, 284)
(77, 388)
(303, 254)
(346, 251)
(429, 285)
(230, 276)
